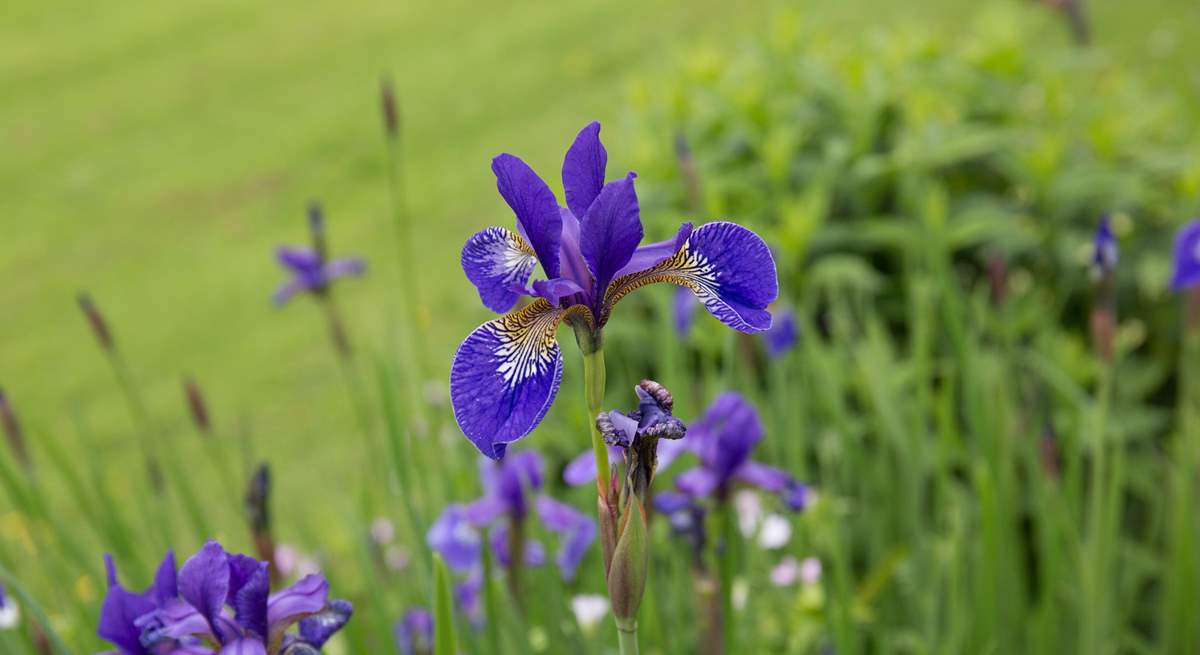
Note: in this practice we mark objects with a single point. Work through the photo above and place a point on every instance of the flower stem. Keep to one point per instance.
(593, 391)
(627, 637)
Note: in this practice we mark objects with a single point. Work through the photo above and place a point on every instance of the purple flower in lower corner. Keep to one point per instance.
(1186, 272)
(220, 604)
(511, 494)
(414, 632)
(310, 268)
(507, 372)
(723, 439)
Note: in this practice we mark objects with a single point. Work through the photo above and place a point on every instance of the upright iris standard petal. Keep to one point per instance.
(725, 435)
(166, 586)
(119, 614)
(583, 169)
(1187, 257)
(570, 258)
(729, 268)
(610, 232)
(1104, 248)
(495, 260)
(204, 583)
(505, 376)
(250, 602)
(535, 206)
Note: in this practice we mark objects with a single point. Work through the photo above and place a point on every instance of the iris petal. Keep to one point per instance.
(284, 608)
(653, 254)
(535, 206)
(244, 647)
(495, 260)
(1187, 257)
(204, 582)
(505, 376)
(576, 533)
(729, 268)
(610, 232)
(583, 169)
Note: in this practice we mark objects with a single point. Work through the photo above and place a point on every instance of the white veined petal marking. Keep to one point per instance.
(526, 341)
(505, 255)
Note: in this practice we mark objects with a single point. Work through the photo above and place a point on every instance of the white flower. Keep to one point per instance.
(749, 511)
(775, 533)
(382, 531)
(10, 614)
(589, 609)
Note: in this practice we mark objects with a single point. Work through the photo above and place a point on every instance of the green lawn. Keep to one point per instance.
(156, 153)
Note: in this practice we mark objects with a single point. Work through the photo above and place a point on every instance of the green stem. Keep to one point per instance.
(627, 637)
(593, 390)
(725, 572)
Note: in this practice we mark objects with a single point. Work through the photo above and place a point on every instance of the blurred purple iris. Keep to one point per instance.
(779, 339)
(511, 486)
(311, 269)
(1187, 257)
(414, 632)
(219, 603)
(1104, 249)
(723, 439)
(783, 334)
(507, 372)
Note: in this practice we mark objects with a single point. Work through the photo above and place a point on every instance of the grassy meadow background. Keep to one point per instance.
(156, 153)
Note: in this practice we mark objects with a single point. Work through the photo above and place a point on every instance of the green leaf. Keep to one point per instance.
(444, 640)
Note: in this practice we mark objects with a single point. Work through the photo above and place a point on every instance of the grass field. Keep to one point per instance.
(156, 153)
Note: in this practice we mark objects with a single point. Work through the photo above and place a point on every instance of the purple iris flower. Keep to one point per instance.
(311, 269)
(683, 306)
(220, 604)
(414, 632)
(723, 439)
(124, 613)
(1104, 249)
(1187, 257)
(782, 335)
(510, 486)
(506, 373)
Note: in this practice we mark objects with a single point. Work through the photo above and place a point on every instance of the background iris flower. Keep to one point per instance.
(506, 373)
(511, 486)
(723, 439)
(1187, 257)
(311, 269)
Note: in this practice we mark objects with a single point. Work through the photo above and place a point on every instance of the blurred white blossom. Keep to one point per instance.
(589, 609)
(775, 533)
